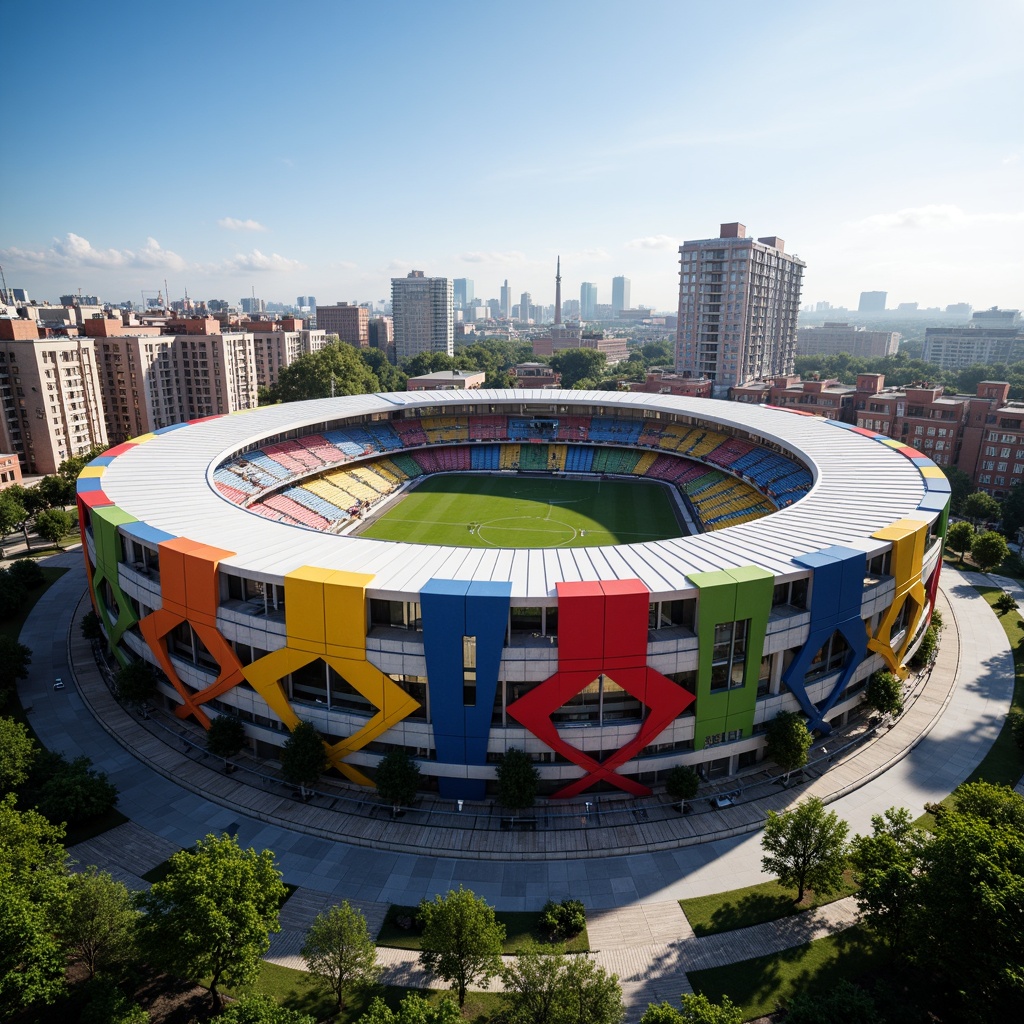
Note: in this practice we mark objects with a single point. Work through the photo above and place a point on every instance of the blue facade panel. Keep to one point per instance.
(453, 610)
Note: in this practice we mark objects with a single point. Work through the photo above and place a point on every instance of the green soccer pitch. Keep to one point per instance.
(527, 512)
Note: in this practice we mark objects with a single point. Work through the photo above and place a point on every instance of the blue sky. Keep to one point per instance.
(324, 147)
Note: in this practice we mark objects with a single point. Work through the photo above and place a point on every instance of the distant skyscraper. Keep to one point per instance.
(588, 301)
(506, 300)
(620, 293)
(525, 301)
(872, 302)
(462, 292)
(558, 291)
(421, 308)
(738, 305)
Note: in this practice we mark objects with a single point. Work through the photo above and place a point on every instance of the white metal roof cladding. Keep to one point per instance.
(860, 486)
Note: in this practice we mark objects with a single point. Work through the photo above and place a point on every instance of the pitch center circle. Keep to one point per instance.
(524, 531)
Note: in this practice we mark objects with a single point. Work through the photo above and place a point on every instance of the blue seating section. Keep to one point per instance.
(342, 439)
(226, 476)
(486, 456)
(607, 428)
(578, 459)
(267, 464)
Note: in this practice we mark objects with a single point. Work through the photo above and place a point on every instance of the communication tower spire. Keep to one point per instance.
(558, 291)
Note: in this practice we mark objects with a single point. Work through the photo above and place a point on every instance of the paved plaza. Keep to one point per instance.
(634, 921)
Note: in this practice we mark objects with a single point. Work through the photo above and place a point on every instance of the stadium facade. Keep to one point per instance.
(223, 552)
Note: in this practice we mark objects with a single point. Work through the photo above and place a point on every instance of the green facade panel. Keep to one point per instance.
(107, 544)
(734, 595)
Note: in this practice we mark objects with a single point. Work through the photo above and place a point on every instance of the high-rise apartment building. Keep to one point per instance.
(588, 301)
(462, 292)
(279, 343)
(956, 348)
(422, 313)
(620, 293)
(348, 321)
(50, 407)
(506, 300)
(872, 302)
(738, 304)
(833, 338)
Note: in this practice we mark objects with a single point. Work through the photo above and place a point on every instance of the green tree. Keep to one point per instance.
(12, 594)
(681, 784)
(99, 925)
(885, 693)
(33, 881)
(76, 792)
(57, 491)
(336, 369)
(788, 741)
(15, 659)
(20, 504)
(887, 870)
(591, 994)
(27, 572)
(107, 1004)
(575, 364)
(518, 779)
(980, 506)
(256, 1008)
(967, 930)
(54, 524)
(17, 752)
(461, 941)
(998, 805)
(397, 779)
(389, 378)
(841, 1003)
(696, 1009)
(1013, 510)
(960, 537)
(339, 952)
(225, 737)
(988, 550)
(806, 848)
(1017, 727)
(413, 1009)
(212, 916)
(135, 683)
(303, 757)
(12, 512)
(91, 629)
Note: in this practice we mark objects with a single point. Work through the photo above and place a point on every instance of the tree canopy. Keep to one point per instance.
(788, 741)
(211, 917)
(960, 536)
(576, 364)
(303, 757)
(980, 506)
(989, 550)
(805, 848)
(17, 752)
(397, 778)
(518, 778)
(462, 941)
(339, 952)
(336, 369)
(99, 926)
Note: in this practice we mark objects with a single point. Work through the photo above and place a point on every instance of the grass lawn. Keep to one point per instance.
(521, 927)
(758, 986)
(739, 908)
(297, 991)
(527, 512)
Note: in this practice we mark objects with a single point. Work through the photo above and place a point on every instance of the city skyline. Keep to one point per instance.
(884, 151)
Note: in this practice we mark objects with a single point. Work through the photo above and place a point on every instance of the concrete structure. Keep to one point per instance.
(447, 380)
(506, 300)
(351, 323)
(462, 292)
(50, 405)
(588, 301)
(536, 375)
(620, 294)
(956, 348)
(658, 382)
(423, 315)
(525, 306)
(382, 335)
(832, 338)
(872, 302)
(609, 665)
(10, 470)
(277, 344)
(826, 398)
(738, 306)
(148, 383)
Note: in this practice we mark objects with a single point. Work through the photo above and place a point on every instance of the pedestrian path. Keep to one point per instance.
(629, 897)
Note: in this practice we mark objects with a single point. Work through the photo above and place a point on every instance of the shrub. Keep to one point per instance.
(27, 573)
(563, 920)
(885, 693)
(1017, 726)
(925, 652)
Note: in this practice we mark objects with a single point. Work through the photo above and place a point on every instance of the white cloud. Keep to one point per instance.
(936, 215)
(75, 251)
(259, 261)
(653, 242)
(233, 224)
(593, 255)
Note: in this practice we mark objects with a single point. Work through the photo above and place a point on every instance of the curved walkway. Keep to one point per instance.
(633, 920)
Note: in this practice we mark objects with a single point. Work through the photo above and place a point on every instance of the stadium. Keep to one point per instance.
(615, 583)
